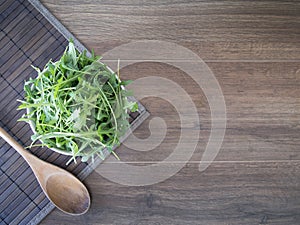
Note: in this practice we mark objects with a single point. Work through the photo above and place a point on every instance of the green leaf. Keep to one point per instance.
(77, 105)
(126, 82)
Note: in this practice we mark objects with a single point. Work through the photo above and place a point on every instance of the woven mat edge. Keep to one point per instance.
(87, 170)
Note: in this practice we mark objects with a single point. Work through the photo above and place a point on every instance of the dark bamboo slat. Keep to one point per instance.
(26, 38)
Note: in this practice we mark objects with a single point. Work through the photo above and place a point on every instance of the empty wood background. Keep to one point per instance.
(253, 48)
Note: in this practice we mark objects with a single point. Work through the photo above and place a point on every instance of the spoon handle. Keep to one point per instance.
(13, 143)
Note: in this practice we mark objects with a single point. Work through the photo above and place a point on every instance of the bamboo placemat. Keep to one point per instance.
(29, 35)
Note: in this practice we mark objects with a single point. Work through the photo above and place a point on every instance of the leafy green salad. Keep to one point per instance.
(77, 105)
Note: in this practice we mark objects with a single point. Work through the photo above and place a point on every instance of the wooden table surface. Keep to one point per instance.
(253, 49)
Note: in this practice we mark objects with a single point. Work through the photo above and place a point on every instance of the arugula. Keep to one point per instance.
(77, 105)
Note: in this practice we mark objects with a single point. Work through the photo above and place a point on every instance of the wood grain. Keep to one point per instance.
(253, 49)
(227, 193)
(235, 30)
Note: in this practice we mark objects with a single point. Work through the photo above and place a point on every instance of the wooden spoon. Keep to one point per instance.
(63, 189)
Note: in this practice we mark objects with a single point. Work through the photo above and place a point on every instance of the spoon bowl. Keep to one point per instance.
(62, 188)
(67, 193)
